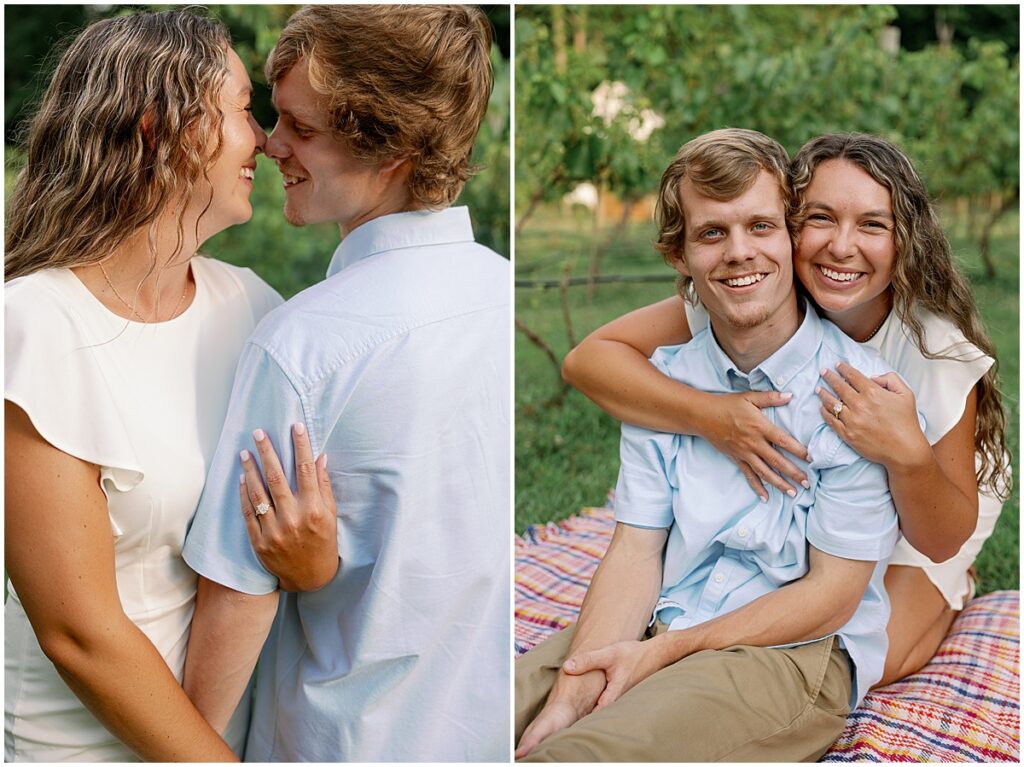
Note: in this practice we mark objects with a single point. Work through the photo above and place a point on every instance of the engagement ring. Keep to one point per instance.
(837, 409)
(262, 509)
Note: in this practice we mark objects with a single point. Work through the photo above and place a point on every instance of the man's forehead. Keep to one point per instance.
(298, 105)
(292, 95)
(762, 198)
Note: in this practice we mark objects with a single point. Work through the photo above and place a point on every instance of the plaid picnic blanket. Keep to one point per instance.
(962, 707)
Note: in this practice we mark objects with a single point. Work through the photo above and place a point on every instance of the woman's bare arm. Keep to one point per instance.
(611, 367)
(60, 559)
(228, 632)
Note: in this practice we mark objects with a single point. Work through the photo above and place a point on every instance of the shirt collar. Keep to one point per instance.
(413, 229)
(780, 367)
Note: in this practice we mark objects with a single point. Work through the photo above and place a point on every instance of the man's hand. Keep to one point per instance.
(553, 717)
(624, 664)
(571, 699)
(296, 538)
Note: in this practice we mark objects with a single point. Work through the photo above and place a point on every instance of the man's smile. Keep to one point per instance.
(742, 281)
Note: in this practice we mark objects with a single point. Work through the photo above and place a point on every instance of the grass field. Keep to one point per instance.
(567, 451)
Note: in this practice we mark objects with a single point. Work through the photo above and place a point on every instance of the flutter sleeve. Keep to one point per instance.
(941, 383)
(54, 371)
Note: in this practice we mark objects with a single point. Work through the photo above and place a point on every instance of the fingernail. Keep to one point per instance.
(823, 371)
(325, 460)
(806, 484)
(244, 455)
(791, 493)
(241, 479)
(300, 428)
(764, 499)
(570, 665)
(787, 396)
(258, 435)
(817, 390)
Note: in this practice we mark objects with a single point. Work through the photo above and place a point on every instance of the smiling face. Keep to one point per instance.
(739, 255)
(323, 181)
(232, 173)
(846, 248)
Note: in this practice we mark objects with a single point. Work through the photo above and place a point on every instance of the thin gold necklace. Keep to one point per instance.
(871, 335)
(132, 308)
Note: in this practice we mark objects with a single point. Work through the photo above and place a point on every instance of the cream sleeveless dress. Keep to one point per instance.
(146, 403)
(940, 387)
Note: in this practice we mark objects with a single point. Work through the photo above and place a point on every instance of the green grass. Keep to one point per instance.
(567, 450)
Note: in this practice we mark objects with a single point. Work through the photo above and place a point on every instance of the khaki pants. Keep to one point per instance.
(735, 705)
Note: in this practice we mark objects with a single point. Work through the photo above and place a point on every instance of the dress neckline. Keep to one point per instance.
(103, 309)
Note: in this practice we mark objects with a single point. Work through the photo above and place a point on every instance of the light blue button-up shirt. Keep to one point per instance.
(398, 364)
(725, 547)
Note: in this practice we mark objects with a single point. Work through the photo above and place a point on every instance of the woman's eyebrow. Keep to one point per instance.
(873, 213)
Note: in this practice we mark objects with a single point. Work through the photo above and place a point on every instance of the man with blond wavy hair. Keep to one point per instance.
(720, 626)
(390, 641)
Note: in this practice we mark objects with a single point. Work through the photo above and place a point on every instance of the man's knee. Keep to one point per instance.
(718, 705)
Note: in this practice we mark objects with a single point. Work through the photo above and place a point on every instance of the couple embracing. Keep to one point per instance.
(146, 387)
(775, 444)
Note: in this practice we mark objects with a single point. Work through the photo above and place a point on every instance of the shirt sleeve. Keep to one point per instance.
(853, 514)
(643, 493)
(217, 545)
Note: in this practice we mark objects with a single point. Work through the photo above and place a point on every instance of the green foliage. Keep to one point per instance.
(567, 456)
(288, 259)
(487, 193)
(791, 72)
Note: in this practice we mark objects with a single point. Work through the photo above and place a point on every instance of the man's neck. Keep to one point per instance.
(749, 347)
(397, 201)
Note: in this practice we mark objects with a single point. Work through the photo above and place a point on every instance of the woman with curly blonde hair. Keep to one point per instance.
(121, 346)
(871, 255)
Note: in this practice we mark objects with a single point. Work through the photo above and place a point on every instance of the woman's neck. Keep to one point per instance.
(863, 322)
(148, 278)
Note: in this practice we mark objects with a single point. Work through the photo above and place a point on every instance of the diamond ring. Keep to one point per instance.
(837, 408)
(262, 508)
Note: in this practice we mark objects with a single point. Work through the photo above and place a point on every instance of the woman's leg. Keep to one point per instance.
(920, 620)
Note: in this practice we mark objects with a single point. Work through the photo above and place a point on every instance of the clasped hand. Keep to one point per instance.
(294, 535)
(878, 418)
(623, 664)
(736, 427)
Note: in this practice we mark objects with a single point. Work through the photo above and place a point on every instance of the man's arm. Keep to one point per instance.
(237, 596)
(853, 520)
(617, 607)
(813, 607)
(228, 631)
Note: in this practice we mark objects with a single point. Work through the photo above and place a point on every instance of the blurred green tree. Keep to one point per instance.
(36, 35)
(791, 72)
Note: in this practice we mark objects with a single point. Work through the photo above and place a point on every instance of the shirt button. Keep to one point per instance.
(719, 577)
(742, 532)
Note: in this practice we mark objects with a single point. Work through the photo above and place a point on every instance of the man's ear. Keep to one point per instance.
(679, 263)
(391, 166)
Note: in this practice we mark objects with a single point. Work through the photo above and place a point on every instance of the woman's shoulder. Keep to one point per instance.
(941, 339)
(226, 281)
(943, 375)
(44, 302)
